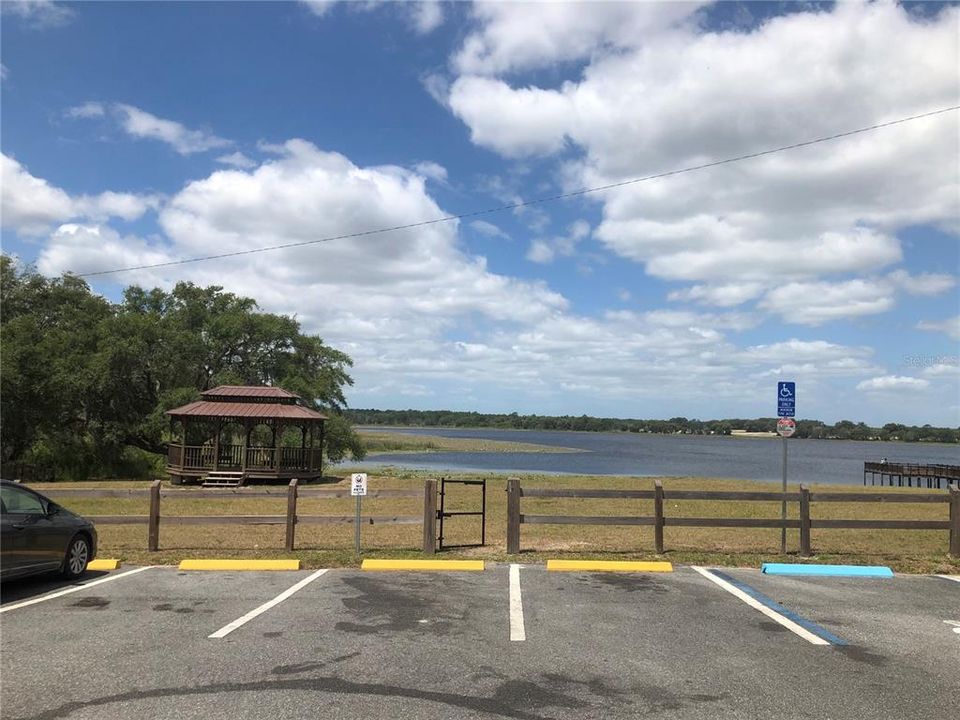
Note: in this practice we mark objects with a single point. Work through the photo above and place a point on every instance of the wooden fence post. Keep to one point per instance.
(291, 513)
(955, 520)
(430, 517)
(805, 521)
(513, 516)
(658, 516)
(153, 523)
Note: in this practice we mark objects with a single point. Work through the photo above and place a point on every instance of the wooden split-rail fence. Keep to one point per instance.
(293, 492)
(660, 520)
(516, 518)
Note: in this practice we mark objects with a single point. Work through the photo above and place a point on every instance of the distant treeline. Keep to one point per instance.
(843, 430)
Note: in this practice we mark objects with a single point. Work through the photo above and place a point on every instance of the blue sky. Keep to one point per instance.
(140, 133)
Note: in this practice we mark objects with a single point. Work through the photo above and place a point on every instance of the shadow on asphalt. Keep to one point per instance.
(16, 590)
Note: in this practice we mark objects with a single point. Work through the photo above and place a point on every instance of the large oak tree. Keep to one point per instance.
(82, 378)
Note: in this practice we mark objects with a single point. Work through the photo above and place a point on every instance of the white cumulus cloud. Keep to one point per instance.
(426, 16)
(893, 383)
(922, 284)
(724, 295)
(488, 229)
(432, 170)
(514, 36)
(31, 205)
(950, 326)
(545, 250)
(236, 159)
(319, 7)
(423, 16)
(403, 283)
(89, 109)
(141, 124)
(675, 96)
(39, 14)
(91, 248)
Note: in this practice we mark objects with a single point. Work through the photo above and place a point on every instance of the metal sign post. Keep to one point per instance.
(786, 410)
(358, 488)
(783, 503)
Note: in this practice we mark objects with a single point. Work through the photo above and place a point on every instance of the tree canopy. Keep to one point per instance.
(85, 382)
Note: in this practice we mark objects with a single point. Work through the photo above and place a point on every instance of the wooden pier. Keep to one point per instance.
(896, 474)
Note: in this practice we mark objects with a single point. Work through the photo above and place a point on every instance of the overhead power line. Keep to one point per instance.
(524, 203)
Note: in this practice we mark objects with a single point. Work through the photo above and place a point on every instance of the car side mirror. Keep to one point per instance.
(52, 509)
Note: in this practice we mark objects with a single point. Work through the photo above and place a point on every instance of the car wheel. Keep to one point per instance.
(78, 555)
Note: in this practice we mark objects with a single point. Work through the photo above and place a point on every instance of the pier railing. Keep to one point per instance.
(909, 474)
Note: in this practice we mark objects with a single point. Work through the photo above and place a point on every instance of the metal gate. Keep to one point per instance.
(443, 514)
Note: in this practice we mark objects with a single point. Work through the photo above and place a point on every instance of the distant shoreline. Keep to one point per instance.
(748, 434)
(758, 434)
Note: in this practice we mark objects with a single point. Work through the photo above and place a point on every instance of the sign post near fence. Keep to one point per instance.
(358, 488)
(786, 426)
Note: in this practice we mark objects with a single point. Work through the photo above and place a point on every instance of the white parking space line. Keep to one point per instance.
(955, 578)
(240, 622)
(757, 605)
(76, 588)
(517, 632)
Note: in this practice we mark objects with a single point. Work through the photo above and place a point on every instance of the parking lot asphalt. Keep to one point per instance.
(163, 643)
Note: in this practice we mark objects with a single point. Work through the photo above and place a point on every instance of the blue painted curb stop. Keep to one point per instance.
(879, 571)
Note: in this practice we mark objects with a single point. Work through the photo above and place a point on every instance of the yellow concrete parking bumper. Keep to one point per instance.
(607, 566)
(103, 564)
(239, 565)
(429, 565)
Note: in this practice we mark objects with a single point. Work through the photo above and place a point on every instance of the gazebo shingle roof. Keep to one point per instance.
(252, 391)
(248, 401)
(206, 408)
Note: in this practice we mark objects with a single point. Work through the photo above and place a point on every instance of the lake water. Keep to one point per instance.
(809, 461)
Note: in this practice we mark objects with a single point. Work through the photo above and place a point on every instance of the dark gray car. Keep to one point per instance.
(39, 536)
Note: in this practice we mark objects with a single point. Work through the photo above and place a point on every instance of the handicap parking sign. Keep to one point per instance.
(786, 399)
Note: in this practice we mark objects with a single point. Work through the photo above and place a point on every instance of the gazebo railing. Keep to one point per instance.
(231, 455)
(198, 456)
(260, 457)
(201, 457)
(294, 457)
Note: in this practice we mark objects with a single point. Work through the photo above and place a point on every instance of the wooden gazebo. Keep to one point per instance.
(237, 433)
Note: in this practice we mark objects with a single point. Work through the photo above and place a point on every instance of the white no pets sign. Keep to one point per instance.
(358, 484)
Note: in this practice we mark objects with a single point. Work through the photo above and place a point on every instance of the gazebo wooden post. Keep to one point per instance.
(186, 425)
(216, 445)
(246, 445)
(304, 463)
(308, 432)
(277, 434)
(173, 451)
(171, 443)
(320, 463)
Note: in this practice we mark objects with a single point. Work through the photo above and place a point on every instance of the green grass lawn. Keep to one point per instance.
(332, 545)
